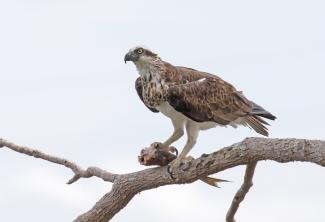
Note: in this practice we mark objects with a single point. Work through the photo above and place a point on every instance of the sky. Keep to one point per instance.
(64, 89)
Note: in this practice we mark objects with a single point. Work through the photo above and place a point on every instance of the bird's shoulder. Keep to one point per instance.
(180, 74)
(183, 75)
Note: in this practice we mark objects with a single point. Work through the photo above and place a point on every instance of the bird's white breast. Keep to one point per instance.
(170, 112)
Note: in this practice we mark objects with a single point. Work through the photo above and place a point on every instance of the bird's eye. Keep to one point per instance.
(140, 51)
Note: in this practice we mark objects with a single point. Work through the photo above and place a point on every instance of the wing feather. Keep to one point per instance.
(205, 97)
(209, 100)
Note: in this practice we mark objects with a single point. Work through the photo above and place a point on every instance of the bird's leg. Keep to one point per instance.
(178, 133)
(182, 156)
(188, 146)
(192, 131)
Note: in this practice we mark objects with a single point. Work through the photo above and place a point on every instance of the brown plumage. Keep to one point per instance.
(139, 89)
(191, 98)
(205, 97)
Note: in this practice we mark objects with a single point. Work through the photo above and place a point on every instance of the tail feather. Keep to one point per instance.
(261, 120)
(257, 124)
(260, 111)
(212, 181)
(255, 120)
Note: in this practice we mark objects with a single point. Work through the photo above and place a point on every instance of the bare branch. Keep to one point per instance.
(77, 170)
(243, 153)
(126, 186)
(241, 193)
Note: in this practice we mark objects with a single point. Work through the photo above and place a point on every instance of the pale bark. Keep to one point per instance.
(241, 193)
(125, 186)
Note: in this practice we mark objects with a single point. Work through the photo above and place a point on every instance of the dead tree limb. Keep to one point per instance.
(77, 170)
(241, 193)
(126, 186)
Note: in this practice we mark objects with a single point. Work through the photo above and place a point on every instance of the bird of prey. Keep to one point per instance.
(192, 99)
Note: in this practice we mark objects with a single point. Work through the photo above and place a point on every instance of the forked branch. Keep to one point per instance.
(126, 186)
(77, 170)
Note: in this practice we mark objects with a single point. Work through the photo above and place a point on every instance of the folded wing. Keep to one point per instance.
(213, 99)
(208, 99)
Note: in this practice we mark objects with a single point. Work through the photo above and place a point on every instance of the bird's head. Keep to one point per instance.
(140, 55)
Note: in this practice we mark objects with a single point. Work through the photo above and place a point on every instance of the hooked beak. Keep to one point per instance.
(129, 57)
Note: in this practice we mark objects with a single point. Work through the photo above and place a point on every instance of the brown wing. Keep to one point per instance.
(138, 88)
(209, 99)
(203, 97)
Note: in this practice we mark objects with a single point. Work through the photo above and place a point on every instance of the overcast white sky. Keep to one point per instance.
(65, 89)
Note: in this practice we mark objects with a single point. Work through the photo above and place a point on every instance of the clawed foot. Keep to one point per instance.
(161, 147)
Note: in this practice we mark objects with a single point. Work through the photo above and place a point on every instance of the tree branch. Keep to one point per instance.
(126, 186)
(241, 193)
(77, 170)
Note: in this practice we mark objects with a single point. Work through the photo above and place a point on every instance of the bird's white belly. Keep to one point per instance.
(170, 112)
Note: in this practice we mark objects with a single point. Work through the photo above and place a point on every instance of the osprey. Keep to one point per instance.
(192, 99)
